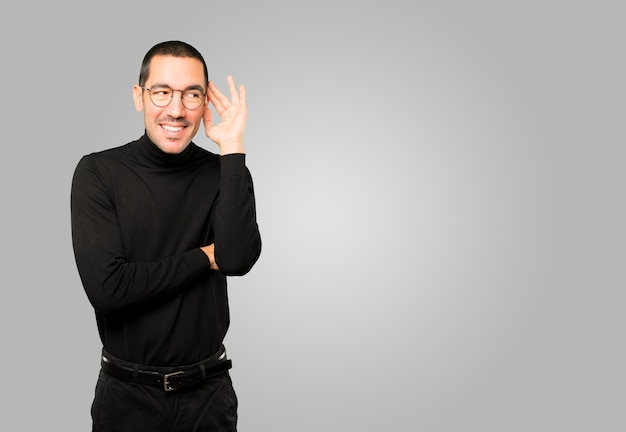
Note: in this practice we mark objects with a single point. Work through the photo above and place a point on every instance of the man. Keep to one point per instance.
(157, 226)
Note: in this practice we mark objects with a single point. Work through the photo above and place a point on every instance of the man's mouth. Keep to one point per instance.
(172, 129)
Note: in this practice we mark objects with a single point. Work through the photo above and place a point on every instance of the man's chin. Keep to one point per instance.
(172, 146)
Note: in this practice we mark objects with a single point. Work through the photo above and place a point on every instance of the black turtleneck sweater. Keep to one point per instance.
(139, 218)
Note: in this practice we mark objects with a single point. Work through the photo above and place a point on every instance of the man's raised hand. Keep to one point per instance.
(228, 134)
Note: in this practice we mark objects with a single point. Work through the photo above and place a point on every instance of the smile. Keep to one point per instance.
(172, 128)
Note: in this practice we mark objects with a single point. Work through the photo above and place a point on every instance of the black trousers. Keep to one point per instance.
(120, 406)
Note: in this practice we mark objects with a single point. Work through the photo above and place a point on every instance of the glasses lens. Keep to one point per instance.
(161, 96)
(192, 99)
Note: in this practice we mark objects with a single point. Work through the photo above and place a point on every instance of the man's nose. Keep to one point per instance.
(176, 107)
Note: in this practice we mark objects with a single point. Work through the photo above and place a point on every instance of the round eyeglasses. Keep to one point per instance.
(161, 96)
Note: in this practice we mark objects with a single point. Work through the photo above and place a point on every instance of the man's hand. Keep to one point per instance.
(227, 134)
(210, 253)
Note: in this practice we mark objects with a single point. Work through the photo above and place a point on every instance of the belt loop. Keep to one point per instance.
(202, 371)
(135, 372)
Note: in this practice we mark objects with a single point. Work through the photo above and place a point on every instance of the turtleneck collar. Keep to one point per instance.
(148, 152)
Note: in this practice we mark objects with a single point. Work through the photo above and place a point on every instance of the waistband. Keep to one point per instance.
(167, 378)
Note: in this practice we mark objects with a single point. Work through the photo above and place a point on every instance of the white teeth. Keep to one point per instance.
(172, 128)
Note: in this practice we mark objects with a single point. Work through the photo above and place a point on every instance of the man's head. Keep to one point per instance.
(178, 70)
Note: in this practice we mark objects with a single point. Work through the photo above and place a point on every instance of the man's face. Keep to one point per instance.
(172, 127)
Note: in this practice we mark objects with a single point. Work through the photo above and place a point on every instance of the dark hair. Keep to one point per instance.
(173, 49)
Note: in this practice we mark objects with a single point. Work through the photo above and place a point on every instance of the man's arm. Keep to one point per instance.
(110, 281)
(237, 239)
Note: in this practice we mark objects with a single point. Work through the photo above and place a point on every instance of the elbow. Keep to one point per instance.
(101, 304)
(107, 294)
(241, 262)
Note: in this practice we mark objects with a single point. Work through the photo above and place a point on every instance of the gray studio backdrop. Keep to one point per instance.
(440, 190)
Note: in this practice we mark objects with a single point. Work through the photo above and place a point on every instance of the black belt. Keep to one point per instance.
(174, 380)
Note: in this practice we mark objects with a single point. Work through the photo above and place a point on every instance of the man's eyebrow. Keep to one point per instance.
(191, 87)
(196, 87)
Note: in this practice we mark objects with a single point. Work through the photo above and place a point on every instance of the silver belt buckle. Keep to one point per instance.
(166, 383)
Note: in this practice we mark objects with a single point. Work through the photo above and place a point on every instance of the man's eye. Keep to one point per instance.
(192, 95)
(161, 92)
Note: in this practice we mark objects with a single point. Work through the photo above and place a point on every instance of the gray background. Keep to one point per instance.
(440, 188)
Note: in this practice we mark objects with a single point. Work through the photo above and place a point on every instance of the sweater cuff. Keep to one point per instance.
(233, 164)
(198, 260)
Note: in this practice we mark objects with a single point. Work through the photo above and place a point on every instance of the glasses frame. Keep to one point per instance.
(149, 89)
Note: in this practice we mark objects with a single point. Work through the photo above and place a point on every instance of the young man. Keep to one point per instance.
(157, 226)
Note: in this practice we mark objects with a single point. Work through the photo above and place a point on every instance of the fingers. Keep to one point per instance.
(242, 95)
(218, 99)
(234, 96)
(221, 102)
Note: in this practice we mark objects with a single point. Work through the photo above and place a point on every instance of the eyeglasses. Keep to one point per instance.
(161, 96)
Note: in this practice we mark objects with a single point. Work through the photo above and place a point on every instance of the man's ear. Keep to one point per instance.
(138, 97)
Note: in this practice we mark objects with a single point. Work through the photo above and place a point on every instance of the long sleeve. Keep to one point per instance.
(237, 238)
(112, 282)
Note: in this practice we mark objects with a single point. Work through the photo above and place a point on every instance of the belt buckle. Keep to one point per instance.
(166, 384)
